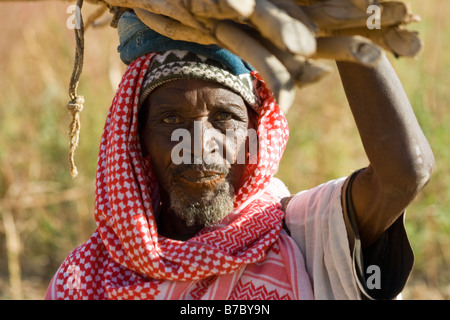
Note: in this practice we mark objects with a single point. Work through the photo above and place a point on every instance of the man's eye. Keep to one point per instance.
(172, 119)
(223, 116)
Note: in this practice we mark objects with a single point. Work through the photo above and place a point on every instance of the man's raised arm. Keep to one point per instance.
(401, 160)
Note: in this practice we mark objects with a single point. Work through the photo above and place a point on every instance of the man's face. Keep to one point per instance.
(195, 133)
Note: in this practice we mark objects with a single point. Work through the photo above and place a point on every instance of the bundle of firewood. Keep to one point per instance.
(285, 40)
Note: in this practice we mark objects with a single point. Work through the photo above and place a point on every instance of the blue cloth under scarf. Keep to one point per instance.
(136, 40)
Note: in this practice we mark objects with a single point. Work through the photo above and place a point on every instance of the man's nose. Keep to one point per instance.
(206, 142)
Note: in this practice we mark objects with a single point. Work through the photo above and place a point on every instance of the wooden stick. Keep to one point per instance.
(292, 62)
(302, 70)
(401, 42)
(90, 21)
(308, 2)
(274, 72)
(363, 4)
(311, 72)
(336, 15)
(284, 31)
(340, 14)
(169, 8)
(296, 12)
(348, 48)
(221, 9)
(395, 13)
(360, 4)
(174, 29)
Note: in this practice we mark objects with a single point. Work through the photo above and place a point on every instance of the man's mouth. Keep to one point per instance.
(197, 176)
(200, 176)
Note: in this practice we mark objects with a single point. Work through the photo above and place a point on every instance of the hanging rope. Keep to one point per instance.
(75, 104)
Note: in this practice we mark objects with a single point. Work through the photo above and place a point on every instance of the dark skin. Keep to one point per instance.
(178, 105)
(401, 160)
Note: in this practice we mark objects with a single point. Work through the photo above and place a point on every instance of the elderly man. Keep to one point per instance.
(187, 206)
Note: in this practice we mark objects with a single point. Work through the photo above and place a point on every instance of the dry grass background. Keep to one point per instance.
(44, 213)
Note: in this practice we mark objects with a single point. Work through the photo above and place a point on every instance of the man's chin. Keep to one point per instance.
(202, 206)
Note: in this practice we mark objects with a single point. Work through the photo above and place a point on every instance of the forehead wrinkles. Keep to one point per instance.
(195, 92)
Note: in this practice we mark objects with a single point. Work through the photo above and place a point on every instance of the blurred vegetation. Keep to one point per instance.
(44, 213)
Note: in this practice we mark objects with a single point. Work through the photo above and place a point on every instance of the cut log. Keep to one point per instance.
(273, 71)
(363, 4)
(284, 31)
(348, 48)
(397, 13)
(174, 29)
(221, 9)
(296, 12)
(397, 40)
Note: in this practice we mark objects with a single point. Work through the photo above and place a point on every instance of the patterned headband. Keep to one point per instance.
(182, 64)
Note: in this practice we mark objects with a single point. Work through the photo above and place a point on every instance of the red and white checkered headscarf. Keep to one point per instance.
(248, 257)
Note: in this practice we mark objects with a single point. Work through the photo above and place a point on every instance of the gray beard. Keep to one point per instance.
(206, 213)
